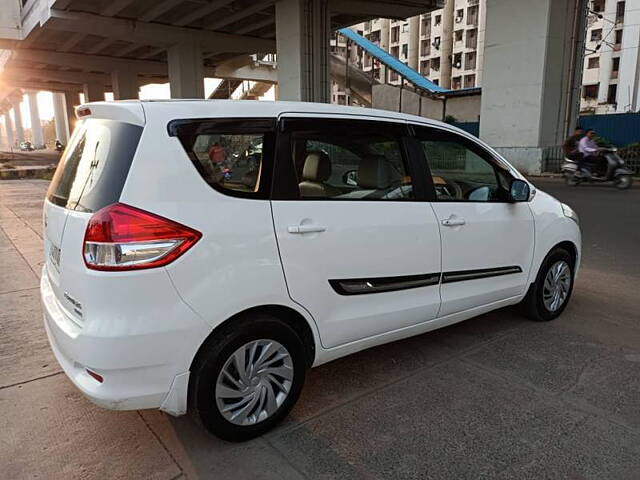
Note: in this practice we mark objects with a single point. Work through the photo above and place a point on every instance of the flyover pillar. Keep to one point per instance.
(302, 37)
(72, 100)
(125, 84)
(532, 64)
(34, 114)
(8, 125)
(186, 73)
(93, 92)
(17, 116)
(60, 117)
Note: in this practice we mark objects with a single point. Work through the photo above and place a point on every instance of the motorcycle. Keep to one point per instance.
(614, 171)
(59, 146)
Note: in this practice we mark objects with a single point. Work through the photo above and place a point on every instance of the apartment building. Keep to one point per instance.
(445, 46)
(611, 76)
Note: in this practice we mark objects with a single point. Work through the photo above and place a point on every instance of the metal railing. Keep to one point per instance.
(553, 158)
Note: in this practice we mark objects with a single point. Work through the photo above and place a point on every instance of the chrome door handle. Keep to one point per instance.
(453, 222)
(306, 229)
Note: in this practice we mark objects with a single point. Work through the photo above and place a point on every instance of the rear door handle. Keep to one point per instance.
(298, 229)
(453, 222)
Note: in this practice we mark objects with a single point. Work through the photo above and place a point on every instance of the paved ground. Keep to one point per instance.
(493, 397)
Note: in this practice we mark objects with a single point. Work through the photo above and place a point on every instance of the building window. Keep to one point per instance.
(590, 92)
(393, 76)
(620, 12)
(424, 67)
(594, 62)
(597, 6)
(405, 50)
(472, 38)
(436, 43)
(470, 61)
(456, 83)
(395, 51)
(395, 34)
(405, 27)
(457, 60)
(618, 41)
(469, 81)
(458, 35)
(436, 81)
(437, 20)
(612, 94)
(472, 16)
(435, 64)
(615, 67)
(459, 15)
(596, 35)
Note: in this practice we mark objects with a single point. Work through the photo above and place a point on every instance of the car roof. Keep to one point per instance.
(197, 108)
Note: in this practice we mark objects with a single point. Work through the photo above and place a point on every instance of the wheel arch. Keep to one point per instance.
(294, 319)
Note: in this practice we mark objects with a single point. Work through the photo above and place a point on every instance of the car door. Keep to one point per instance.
(487, 241)
(359, 250)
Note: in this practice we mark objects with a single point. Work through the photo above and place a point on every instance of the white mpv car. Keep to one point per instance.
(202, 255)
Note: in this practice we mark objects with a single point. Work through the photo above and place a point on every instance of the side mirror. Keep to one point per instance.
(519, 191)
(350, 178)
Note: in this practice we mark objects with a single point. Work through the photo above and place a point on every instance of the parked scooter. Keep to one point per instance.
(614, 171)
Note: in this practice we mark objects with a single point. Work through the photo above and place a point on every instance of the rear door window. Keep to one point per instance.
(234, 156)
(95, 165)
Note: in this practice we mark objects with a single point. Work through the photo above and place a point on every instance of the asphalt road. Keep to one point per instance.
(494, 397)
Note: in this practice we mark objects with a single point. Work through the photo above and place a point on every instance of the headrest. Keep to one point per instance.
(374, 172)
(317, 167)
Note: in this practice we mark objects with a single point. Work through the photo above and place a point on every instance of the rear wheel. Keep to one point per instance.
(571, 179)
(623, 181)
(549, 295)
(247, 377)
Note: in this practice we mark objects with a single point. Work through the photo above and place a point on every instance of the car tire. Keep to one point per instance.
(258, 339)
(539, 304)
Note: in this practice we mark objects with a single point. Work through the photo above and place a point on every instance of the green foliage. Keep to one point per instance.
(450, 119)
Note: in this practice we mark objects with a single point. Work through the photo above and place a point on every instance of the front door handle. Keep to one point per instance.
(453, 221)
(306, 229)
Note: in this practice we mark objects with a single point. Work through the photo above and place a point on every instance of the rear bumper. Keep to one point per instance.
(139, 367)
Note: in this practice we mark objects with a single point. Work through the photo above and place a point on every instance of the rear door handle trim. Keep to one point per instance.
(453, 222)
(299, 229)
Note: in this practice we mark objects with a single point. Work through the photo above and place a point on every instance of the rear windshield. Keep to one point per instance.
(95, 165)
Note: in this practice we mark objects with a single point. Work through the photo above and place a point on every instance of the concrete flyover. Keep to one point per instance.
(73, 46)
(531, 75)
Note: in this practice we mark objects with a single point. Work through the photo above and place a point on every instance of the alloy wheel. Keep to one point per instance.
(556, 287)
(254, 382)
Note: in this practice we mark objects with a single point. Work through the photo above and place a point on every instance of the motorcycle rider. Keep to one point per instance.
(570, 147)
(589, 150)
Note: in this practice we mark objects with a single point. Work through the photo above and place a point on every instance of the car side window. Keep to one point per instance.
(461, 171)
(230, 154)
(349, 160)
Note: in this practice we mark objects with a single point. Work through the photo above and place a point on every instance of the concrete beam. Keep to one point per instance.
(90, 62)
(397, 10)
(262, 73)
(56, 75)
(243, 13)
(202, 11)
(151, 33)
(48, 86)
(159, 9)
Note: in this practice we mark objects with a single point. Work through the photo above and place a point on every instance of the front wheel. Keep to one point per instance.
(571, 179)
(247, 377)
(623, 181)
(549, 295)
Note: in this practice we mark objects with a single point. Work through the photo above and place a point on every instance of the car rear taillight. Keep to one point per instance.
(121, 237)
